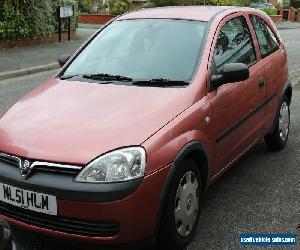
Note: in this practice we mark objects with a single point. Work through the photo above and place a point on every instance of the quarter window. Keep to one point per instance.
(265, 36)
(234, 45)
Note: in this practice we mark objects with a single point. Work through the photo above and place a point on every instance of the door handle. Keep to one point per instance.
(261, 83)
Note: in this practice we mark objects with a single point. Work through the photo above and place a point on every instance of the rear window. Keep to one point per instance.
(267, 40)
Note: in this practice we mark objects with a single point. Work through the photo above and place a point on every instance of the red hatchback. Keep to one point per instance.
(119, 146)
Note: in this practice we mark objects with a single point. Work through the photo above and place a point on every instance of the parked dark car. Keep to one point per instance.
(118, 147)
(262, 6)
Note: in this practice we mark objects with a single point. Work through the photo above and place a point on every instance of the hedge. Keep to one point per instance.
(31, 18)
(295, 3)
(269, 11)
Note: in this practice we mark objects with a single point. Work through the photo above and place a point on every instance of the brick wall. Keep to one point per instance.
(95, 18)
(36, 40)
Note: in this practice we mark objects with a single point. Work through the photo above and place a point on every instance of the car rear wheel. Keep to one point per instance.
(278, 139)
(182, 208)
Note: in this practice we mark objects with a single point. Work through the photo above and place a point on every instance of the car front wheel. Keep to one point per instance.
(182, 208)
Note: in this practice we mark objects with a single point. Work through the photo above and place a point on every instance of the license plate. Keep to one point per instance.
(38, 202)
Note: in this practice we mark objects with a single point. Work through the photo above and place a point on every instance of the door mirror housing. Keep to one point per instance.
(63, 59)
(231, 72)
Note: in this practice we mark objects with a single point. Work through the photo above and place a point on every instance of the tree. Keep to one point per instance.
(118, 7)
(85, 5)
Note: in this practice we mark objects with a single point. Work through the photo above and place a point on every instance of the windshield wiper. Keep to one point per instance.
(100, 77)
(160, 82)
(65, 77)
(107, 77)
(156, 82)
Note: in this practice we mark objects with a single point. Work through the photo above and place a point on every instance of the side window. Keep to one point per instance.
(234, 45)
(265, 36)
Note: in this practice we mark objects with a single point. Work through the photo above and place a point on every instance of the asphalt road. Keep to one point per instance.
(291, 38)
(260, 194)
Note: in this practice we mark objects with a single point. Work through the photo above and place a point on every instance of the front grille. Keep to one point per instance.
(85, 228)
(9, 159)
(56, 168)
(16, 161)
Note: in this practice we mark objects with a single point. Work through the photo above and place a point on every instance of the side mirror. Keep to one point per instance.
(231, 72)
(63, 59)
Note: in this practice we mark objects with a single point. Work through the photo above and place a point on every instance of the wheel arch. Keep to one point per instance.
(195, 150)
(288, 91)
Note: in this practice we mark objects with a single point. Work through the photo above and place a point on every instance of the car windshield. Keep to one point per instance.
(142, 49)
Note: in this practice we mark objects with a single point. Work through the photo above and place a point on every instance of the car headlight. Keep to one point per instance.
(119, 165)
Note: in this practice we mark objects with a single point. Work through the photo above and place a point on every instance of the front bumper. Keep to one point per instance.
(91, 217)
(64, 187)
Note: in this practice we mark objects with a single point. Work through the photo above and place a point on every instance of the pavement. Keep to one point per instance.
(89, 26)
(288, 25)
(260, 194)
(32, 59)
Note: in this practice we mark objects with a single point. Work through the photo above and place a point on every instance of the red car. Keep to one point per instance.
(118, 147)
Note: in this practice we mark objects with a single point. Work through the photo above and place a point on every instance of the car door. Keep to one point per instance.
(237, 114)
(274, 60)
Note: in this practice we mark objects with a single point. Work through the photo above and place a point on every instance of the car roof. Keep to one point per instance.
(200, 13)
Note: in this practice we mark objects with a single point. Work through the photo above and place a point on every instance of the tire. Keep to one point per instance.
(173, 234)
(278, 139)
(4, 235)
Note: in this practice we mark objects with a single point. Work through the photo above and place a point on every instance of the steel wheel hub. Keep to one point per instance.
(284, 121)
(186, 204)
